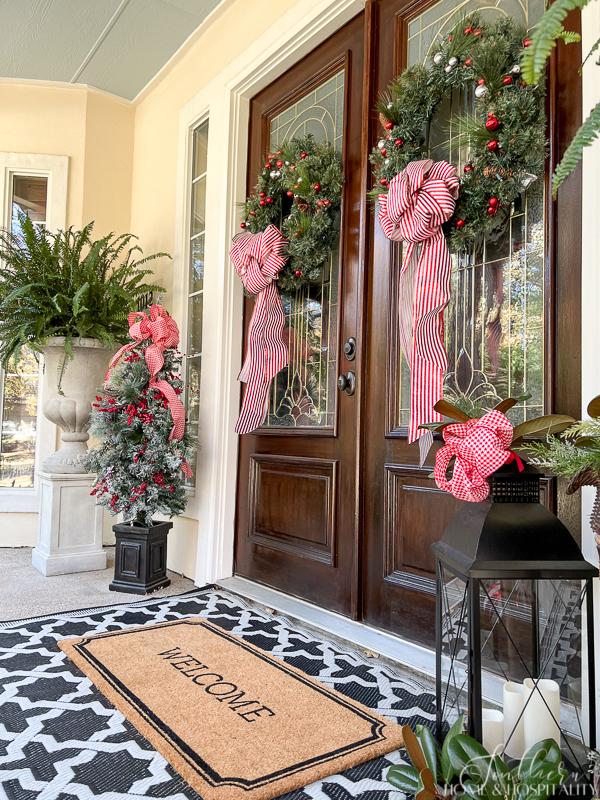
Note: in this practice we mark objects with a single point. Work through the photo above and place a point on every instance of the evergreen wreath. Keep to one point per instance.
(506, 137)
(299, 190)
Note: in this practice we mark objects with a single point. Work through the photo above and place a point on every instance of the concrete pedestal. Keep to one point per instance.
(69, 527)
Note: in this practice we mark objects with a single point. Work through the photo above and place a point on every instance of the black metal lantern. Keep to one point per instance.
(512, 590)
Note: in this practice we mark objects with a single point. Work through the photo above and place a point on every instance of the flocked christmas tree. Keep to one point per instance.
(141, 459)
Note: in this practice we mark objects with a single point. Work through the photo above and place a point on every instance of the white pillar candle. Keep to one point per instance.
(541, 718)
(492, 724)
(514, 725)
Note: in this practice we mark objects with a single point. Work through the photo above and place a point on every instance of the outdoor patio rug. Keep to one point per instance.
(61, 739)
(236, 723)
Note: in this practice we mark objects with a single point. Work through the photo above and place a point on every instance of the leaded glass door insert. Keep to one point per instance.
(304, 394)
(495, 318)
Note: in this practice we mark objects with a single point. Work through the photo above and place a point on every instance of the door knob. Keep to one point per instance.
(347, 383)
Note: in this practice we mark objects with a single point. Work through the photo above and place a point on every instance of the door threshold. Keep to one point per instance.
(411, 656)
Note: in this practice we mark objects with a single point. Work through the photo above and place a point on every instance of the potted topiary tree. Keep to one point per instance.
(141, 459)
(67, 296)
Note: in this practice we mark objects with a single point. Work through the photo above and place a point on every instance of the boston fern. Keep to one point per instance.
(67, 284)
(547, 32)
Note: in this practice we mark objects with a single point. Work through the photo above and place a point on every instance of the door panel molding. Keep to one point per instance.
(306, 485)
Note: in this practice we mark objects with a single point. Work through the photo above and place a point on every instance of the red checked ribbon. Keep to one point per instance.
(257, 258)
(420, 199)
(480, 447)
(163, 332)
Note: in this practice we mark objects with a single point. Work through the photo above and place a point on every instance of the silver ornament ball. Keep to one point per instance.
(381, 144)
(516, 70)
(437, 59)
(480, 91)
(453, 61)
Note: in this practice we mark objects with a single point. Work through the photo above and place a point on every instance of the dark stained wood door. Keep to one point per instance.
(332, 504)
(512, 327)
(296, 527)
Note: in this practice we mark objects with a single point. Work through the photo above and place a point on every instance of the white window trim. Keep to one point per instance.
(56, 170)
(226, 100)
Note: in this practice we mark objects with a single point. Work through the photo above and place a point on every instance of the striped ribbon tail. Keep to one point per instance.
(420, 199)
(258, 259)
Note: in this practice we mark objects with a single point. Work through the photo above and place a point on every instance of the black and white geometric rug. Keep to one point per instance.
(60, 739)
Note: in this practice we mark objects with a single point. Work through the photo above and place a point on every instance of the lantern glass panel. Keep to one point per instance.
(528, 628)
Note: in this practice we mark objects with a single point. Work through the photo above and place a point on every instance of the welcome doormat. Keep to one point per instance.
(234, 722)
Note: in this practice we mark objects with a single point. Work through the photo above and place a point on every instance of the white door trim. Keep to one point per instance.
(225, 101)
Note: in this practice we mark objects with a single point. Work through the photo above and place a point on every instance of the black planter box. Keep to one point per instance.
(140, 558)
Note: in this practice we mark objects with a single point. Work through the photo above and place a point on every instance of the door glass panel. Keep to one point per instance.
(495, 318)
(303, 394)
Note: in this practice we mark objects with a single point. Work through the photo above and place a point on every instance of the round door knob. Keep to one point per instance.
(347, 383)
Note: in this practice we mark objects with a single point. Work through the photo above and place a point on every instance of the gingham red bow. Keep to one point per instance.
(420, 199)
(480, 447)
(257, 258)
(163, 332)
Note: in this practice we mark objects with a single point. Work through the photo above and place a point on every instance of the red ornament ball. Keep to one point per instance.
(493, 202)
(468, 29)
(491, 210)
(304, 154)
(468, 62)
(262, 202)
(481, 82)
(383, 152)
(267, 165)
(242, 224)
(477, 32)
(492, 145)
(468, 168)
(388, 125)
(460, 223)
(383, 182)
(317, 187)
(492, 123)
(527, 42)
(399, 141)
(298, 273)
(269, 200)
(279, 164)
(507, 80)
(252, 213)
(262, 194)
(290, 193)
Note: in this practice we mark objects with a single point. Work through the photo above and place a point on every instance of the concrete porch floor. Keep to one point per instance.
(24, 593)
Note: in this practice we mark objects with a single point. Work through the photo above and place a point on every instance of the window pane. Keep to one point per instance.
(198, 206)
(19, 414)
(29, 196)
(197, 264)
(304, 393)
(192, 381)
(200, 147)
(495, 318)
(195, 325)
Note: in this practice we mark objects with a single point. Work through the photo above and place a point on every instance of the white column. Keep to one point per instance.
(69, 526)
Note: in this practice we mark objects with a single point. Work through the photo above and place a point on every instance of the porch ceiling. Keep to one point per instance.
(115, 45)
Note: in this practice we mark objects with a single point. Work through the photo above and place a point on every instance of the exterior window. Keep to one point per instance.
(195, 288)
(19, 382)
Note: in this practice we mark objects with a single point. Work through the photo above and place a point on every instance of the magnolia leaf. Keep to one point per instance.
(506, 405)
(586, 441)
(593, 408)
(404, 777)
(430, 749)
(427, 788)
(413, 748)
(448, 771)
(449, 410)
(549, 423)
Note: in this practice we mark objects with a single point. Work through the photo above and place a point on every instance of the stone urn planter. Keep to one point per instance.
(69, 388)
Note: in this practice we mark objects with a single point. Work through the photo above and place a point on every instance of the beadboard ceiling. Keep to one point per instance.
(114, 45)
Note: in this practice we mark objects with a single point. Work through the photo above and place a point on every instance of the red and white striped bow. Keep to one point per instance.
(480, 446)
(420, 199)
(257, 258)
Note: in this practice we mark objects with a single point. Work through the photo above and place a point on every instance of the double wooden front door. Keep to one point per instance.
(332, 506)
